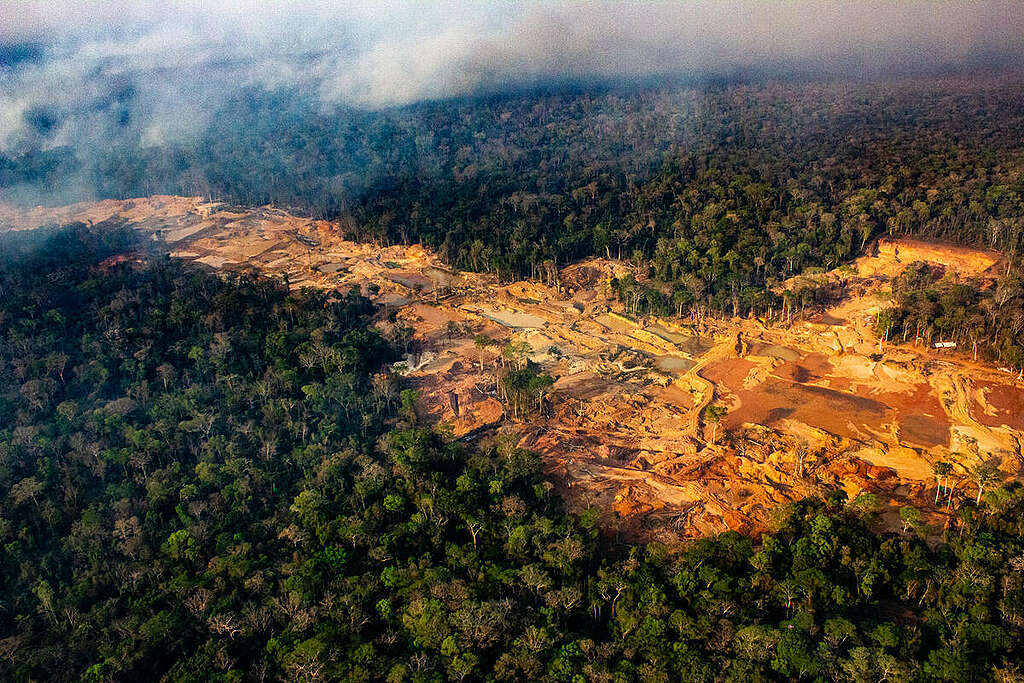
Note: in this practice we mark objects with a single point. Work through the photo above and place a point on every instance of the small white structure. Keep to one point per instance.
(945, 345)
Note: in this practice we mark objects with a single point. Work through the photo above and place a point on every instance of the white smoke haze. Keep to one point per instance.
(160, 70)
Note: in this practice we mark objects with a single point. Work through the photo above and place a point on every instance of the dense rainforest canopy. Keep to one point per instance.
(215, 479)
(732, 185)
(932, 306)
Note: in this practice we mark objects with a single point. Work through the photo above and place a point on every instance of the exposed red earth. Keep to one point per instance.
(813, 405)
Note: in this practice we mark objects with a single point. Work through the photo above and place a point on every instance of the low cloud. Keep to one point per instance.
(77, 72)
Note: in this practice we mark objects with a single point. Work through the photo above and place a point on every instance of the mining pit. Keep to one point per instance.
(813, 405)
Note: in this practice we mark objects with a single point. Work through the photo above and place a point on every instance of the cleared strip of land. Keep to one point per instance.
(811, 406)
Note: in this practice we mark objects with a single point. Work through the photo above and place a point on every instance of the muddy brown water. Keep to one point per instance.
(693, 345)
(442, 278)
(512, 319)
(673, 364)
(774, 351)
(332, 267)
(614, 324)
(411, 280)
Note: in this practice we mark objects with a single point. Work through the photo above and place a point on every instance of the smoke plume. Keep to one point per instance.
(81, 73)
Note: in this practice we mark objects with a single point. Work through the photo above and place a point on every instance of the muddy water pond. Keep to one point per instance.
(615, 324)
(332, 267)
(694, 346)
(673, 363)
(411, 280)
(441, 278)
(512, 319)
(775, 351)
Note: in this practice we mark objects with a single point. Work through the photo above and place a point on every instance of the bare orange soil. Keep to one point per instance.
(812, 405)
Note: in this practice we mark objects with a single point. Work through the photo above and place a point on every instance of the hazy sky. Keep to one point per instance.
(172, 62)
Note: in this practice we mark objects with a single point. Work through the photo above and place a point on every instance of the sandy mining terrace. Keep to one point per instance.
(812, 406)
